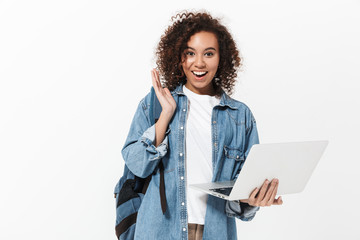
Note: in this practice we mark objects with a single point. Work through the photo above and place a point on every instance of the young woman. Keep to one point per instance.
(201, 135)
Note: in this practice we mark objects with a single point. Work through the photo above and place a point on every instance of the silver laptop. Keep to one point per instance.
(292, 163)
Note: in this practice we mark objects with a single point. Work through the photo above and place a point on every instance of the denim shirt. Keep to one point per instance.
(233, 133)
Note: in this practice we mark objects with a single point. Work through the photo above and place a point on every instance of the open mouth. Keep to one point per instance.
(199, 74)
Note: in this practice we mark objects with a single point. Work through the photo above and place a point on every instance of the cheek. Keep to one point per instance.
(214, 64)
(187, 63)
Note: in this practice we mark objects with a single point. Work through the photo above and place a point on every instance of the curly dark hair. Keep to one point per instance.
(173, 43)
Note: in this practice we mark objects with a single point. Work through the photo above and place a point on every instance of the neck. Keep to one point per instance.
(208, 90)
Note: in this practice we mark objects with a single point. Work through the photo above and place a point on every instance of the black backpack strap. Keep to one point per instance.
(146, 184)
(162, 188)
(155, 111)
(125, 224)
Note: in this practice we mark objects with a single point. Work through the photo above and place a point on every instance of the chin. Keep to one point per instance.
(199, 85)
(203, 85)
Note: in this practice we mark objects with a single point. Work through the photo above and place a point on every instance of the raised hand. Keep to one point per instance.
(166, 100)
(265, 196)
(168, 106)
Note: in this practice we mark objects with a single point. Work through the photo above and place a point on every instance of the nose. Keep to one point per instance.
(199, 61)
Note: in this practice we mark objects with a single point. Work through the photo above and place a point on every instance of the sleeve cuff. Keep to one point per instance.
(242, 211)
(148, 138)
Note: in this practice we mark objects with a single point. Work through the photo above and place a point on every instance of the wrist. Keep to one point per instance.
(166, 115)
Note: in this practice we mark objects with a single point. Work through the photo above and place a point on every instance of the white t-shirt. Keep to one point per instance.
(198, 145)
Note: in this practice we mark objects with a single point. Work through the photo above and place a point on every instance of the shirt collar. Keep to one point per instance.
(225, 100)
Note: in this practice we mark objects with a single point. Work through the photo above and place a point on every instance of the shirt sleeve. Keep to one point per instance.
(244, 211)
(139, 152)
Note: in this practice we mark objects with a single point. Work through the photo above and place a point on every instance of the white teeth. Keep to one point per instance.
(199, 73)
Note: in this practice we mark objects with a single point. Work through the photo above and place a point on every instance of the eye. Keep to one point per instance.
(189, 53)
(209, 54)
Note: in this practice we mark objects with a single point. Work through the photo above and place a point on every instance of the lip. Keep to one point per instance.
(199, 78)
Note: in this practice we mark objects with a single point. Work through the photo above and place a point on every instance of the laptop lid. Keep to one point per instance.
(292, 163)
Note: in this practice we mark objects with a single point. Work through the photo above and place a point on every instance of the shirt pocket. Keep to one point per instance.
(234, 153)
(234, 160)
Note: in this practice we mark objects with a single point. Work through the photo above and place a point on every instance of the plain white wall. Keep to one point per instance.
(73, 72)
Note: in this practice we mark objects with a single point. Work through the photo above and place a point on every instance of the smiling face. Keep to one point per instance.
(200, 62)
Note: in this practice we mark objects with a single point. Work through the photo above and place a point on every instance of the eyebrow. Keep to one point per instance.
(209, 48)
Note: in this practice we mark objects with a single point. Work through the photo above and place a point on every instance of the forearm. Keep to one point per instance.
(161, 127)
(140, 154)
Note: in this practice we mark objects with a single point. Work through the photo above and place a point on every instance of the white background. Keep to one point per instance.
(73, 72)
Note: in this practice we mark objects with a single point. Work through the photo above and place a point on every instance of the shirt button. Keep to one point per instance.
(237, 157)
(184, 110)
(214, 122)
(184, 229)
(181, 154)
(183, 203)
(182, 177)
(181, 127)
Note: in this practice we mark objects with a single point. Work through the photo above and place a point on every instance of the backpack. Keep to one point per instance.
(130, 189)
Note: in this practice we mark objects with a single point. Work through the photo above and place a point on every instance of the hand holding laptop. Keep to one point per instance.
(291, 162)
(265, 196)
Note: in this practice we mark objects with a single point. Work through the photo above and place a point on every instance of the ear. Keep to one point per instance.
(182, 60)
(181, 65)
(181, 68)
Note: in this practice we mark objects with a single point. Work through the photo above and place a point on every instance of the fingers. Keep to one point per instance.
(155, 79)
(278, 201)
(167, 91)
(262, 192)
(164, 96)
(252, 199)
(265, 196)
(271, 193)
(159, 90)
(254, 192)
